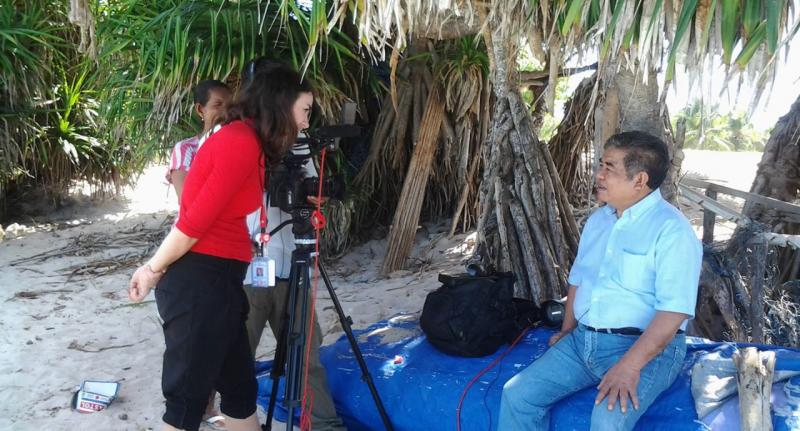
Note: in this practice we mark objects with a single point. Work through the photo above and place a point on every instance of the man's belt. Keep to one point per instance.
(621, 331)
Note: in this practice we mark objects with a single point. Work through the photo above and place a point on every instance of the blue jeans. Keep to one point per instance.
(577, 361)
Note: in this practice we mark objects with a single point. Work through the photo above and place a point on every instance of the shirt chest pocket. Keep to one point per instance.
(636, 271)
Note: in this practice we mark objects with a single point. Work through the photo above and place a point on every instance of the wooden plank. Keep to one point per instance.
(768, 202)
(708, 204)
(779, 239)
(709, 217)
(721, 210)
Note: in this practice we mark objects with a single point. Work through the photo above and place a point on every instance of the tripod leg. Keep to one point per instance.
(346, 322)
(279, 360)
(297, 334)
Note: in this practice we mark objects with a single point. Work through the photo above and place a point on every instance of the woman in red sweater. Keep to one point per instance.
(200, 266)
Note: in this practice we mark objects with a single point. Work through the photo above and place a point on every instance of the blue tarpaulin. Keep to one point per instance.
(421, 386)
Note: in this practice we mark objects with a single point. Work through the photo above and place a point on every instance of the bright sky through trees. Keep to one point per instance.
(774, 103)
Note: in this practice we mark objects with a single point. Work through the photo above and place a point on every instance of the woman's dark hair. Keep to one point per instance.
(643, 152)
(202, 91)
(267, 100)
(259, 64)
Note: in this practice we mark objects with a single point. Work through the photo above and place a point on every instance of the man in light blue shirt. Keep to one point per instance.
(633, 287)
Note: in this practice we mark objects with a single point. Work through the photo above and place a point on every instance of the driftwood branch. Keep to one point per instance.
(754, 378)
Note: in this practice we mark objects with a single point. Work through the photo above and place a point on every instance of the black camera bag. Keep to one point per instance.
(471, 316)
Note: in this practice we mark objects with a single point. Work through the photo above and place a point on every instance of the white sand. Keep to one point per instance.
(732, 169)
(61, 332)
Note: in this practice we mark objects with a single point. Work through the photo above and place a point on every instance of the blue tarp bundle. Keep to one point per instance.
(421, 387)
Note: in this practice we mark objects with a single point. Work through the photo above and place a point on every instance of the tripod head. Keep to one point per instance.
(302, 227)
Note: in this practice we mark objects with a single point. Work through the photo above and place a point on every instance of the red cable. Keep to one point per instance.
(308, 401)
(484, 371)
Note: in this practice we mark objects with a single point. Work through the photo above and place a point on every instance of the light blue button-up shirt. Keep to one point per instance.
(628, 268)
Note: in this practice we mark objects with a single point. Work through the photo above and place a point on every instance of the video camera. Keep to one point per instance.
(289, 188)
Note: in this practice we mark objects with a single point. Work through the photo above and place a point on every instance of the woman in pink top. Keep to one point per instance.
(211, 98)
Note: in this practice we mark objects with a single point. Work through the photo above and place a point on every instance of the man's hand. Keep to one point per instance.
(569, 322)
(142, 281)
(619, 383)
(557, 336)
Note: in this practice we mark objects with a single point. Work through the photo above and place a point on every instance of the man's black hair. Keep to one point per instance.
(202, 91)
(643, 153)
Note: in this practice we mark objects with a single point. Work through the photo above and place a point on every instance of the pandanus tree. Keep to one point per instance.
(48, 107)
(702, 37)
(153, 52)
(525, 222)
(95, 90)
(778, 177)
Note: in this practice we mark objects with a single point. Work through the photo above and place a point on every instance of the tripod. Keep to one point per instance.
(293, 336)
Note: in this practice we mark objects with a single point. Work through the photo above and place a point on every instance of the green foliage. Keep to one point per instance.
(48, 109)
(526, 62)
(744, 35)
(464, 56)
(154, 51)
(707, 129)
(550, 122)
(65, 116)
(549, 126)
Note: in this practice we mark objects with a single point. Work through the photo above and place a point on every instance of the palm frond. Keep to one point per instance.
(157, 50)
(634, 30)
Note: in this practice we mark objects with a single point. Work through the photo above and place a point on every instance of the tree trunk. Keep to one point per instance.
(639, 107)
(622, 102)
(740, 283)
(778, 173)
(628, 102)
(571, 147)
(747, 290)
(778, 177)
(526, 224)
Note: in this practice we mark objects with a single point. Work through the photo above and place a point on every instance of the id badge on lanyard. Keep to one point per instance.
(263, 271)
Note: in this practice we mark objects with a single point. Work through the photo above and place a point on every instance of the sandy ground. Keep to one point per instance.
(58, 330)
(62, 324)
(735, 170)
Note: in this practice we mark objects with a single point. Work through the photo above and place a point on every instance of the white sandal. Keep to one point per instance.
(216, 423)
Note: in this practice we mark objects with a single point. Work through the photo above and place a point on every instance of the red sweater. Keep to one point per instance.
(223, 186)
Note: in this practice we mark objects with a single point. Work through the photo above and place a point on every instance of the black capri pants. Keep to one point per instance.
(204, 309)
